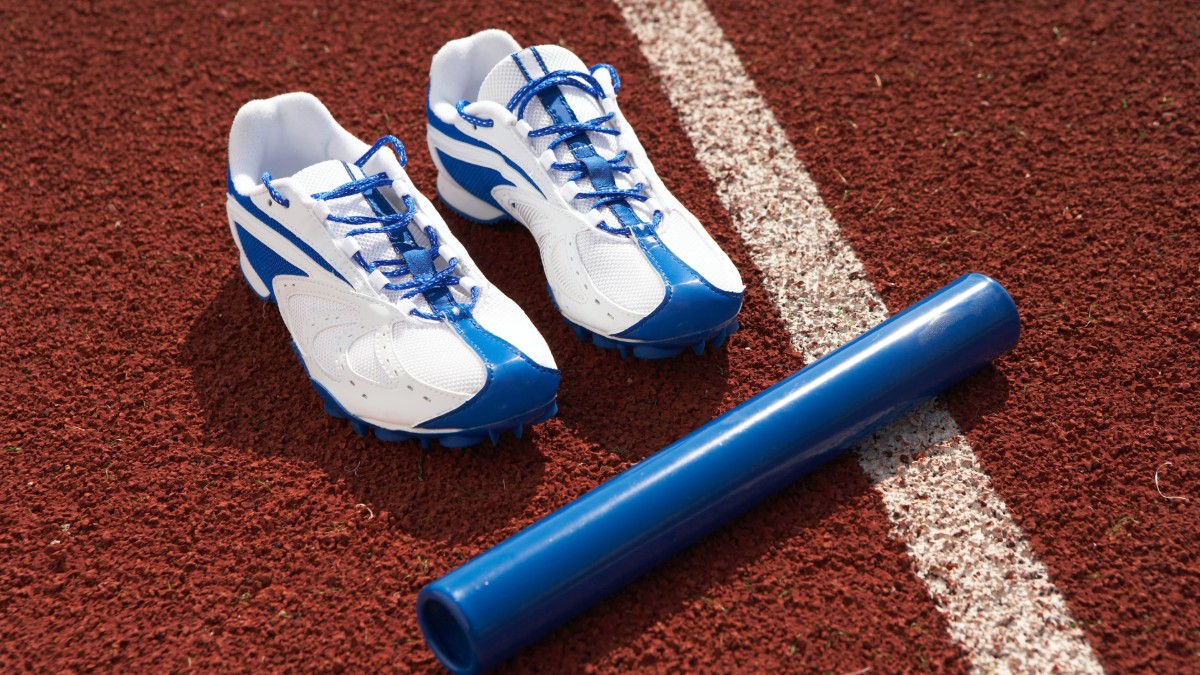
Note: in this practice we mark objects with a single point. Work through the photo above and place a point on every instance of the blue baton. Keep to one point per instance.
(506, 598)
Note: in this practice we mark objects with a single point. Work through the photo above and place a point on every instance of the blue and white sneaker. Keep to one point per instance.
(534, 135)
(397, 327)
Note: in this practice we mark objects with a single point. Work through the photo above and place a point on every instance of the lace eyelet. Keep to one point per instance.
(474, 121)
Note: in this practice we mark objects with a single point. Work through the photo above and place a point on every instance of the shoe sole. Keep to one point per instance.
(651, 351)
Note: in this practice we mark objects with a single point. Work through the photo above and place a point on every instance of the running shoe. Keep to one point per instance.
(398, 329)
(535, 136)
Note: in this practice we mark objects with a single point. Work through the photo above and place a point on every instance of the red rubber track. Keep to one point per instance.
(1054, 146)
(152, 407)
(173, 496)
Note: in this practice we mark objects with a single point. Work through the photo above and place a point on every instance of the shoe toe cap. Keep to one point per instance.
(692, 307)
(517, 390)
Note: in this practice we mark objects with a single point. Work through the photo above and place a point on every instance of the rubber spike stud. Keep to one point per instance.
(698, 348)
(519, 431)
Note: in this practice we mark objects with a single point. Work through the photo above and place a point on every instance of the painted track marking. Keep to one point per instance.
(1000, 604)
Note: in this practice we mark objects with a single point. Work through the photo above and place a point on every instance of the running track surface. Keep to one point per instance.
(173, 496)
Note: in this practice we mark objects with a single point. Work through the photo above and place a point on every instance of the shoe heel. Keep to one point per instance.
(465, 202)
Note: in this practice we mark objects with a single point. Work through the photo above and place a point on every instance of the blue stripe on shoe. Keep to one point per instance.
(457, 135)
(516, 386)
(400, 238)
(248, 204)
(524, 71)
(515, 383)
(266, 262)
(538, 55)
(478, 180)
(691, 306)
(598, 170)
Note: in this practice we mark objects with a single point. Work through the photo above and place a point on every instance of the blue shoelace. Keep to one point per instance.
(395, 226)
(602, 197)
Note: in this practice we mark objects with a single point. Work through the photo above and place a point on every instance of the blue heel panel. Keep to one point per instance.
(478, 180)
(248, 204)
(267, 263)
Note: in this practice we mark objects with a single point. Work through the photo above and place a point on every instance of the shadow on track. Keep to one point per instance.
(681, 586)
(255, 396)
(978, 397)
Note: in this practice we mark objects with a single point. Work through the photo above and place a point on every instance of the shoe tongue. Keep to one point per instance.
(331, 174)
(516, 70)
(327, 175)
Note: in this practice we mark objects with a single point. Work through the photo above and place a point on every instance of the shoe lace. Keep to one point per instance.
(395, 226)
(563, 132)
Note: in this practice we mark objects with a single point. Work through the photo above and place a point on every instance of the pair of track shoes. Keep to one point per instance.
(399, 330)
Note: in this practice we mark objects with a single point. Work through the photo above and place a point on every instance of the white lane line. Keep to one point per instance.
(1000, 604)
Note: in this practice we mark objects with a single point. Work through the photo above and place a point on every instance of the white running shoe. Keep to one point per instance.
(534, 135)
(398, 329)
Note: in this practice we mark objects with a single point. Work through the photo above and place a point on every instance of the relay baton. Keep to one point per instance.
(506, 598)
